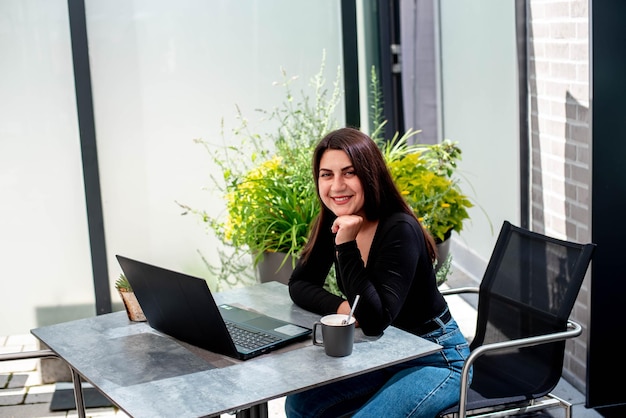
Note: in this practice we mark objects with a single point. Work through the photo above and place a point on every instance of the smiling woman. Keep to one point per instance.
(367, 233)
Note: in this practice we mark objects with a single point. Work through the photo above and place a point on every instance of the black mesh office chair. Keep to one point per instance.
(524, 302)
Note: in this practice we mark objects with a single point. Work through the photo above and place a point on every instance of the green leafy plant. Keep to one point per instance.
(444, 269)
(270, 208)
(122, 284)
(266, 178)
(435, 198)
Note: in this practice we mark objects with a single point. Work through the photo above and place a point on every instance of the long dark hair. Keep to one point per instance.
(382, 197)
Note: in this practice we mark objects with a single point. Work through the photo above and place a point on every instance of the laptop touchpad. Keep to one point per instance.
(270, 324)
(265, 323)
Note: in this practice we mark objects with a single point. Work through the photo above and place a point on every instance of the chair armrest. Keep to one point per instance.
(573, 330)
(456, 291)
(23, 355)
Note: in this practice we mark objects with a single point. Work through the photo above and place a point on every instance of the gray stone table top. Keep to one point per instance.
(149, 374)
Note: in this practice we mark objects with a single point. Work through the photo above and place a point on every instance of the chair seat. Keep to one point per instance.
(505, 376)
(476, 401)
(498, 386)
(477, 406)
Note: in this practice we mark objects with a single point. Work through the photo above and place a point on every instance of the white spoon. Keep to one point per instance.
(347, 320)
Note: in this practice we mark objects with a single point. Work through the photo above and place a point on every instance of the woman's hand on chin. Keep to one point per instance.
(346, 227)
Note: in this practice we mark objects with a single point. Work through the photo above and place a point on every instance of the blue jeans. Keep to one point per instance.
(418, 388)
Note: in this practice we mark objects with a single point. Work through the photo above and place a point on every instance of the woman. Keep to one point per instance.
(380, 252)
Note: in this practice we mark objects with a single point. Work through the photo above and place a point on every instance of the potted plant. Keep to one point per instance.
(267, 182)
(270, 211)
(133, 309)
(425, 180)
(424, 174)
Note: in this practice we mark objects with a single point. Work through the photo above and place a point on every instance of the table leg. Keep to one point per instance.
(78, 394)
(256, 411)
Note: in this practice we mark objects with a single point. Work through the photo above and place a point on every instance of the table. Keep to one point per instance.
(149, 374)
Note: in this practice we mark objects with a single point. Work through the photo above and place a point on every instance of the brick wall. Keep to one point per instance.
(560, 135)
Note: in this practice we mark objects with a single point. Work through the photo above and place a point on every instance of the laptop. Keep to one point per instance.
(183, 307)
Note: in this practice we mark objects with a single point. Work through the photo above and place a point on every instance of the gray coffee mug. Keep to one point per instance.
(337, 338)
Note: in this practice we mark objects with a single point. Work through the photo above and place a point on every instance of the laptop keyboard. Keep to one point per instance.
(249, 339)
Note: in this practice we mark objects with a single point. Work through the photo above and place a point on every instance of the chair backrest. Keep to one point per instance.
(529, 288)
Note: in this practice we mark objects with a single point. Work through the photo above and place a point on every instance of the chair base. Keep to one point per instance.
(549, 401)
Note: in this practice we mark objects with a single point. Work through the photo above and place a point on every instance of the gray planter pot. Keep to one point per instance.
(270, 269)
(443, 249)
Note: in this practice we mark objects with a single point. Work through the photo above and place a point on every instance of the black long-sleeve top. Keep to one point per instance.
(397, 287)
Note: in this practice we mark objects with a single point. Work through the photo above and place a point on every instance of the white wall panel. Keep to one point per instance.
(480, 108)
(44, 246)
(163, 73)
